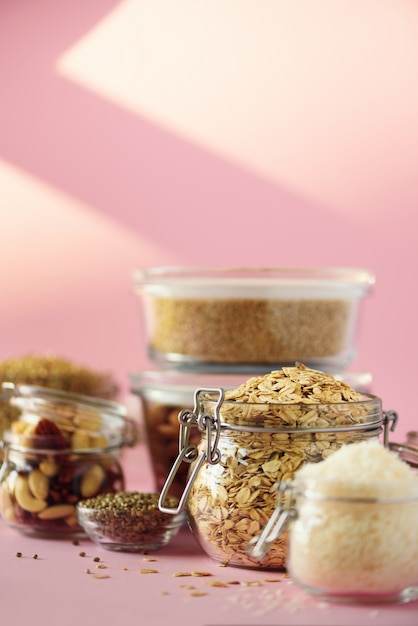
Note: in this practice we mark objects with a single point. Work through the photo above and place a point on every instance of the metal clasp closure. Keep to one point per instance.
(283, 513)
(211, 424)
(390, 419)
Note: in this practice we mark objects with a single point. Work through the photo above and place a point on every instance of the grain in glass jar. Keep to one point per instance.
(63, 448)
(252, 439)
(234, 318)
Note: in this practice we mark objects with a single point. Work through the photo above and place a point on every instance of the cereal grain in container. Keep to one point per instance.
(251, 317)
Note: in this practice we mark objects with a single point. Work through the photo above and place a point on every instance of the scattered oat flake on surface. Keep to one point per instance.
(272, 580)
(201, 573)
(216, 583)
(149, 559)
(177, 574)
(233, 582)
(197, 593)
(253, 583)
(100, 576)
(147, 570)
(187, 587)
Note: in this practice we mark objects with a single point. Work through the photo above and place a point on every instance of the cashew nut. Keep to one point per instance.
(26, 434)
(98, 441)
(91, 481)
(80, 440)
(49, 468)
(90, 422)
(24, 496)
(38, 484)
(57, 511)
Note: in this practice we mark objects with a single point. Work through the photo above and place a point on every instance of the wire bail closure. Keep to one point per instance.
(390, 420)
(259, 545)
(211, 424)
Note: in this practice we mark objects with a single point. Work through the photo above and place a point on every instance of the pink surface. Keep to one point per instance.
(292, 140)
(56, 584)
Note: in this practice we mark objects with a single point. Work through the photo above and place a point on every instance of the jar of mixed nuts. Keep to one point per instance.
(63, 447)
(252, 439)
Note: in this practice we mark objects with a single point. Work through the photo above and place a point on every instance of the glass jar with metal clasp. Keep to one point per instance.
(340, 527)
(246, 450)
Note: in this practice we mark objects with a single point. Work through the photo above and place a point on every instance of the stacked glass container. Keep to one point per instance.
(217, 327)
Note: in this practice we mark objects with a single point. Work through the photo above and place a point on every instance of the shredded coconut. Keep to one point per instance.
(362, 469)
(357, 527)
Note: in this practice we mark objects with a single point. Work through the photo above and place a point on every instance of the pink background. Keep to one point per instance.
(236, 132)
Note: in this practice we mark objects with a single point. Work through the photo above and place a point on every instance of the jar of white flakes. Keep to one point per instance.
(353, 526)
(255, 437)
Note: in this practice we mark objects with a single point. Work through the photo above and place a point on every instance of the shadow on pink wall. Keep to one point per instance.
(199, 207)
(196, 204)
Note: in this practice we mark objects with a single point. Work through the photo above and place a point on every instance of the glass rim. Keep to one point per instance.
(20, 394)
(366, 398)
(249, 283)
(149, 275)
(10, 443)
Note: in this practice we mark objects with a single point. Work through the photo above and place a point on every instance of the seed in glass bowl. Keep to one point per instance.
(129, 520)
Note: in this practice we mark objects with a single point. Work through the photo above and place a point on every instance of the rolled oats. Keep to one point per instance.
(271, 426)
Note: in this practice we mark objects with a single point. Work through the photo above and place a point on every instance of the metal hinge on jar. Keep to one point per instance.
(211, 425)
(390, 420)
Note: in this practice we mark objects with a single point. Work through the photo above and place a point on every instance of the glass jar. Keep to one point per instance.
(163, 395)
(407, 452)
(412, 439)
(347, 548)
(246, 450)
(63, 448)
(231, 319)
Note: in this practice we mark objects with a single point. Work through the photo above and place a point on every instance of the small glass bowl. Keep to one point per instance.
(128, 521)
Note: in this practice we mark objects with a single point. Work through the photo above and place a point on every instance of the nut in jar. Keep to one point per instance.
(63, 448)
(252, 439)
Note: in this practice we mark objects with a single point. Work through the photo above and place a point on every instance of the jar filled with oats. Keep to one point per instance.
(255, 437)
(63, 447)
